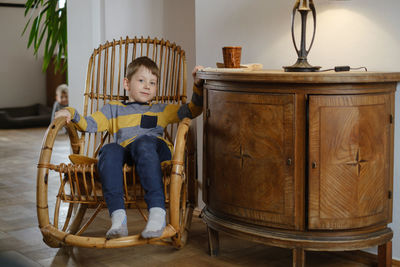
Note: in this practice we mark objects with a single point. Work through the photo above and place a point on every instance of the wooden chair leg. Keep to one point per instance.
(213, 242)
(299, 258)
(385, 255)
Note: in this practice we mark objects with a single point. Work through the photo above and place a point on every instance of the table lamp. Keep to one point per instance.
(302, 64)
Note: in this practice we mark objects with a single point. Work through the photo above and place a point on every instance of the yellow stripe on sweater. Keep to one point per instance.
(124, 121)
(101, 120)
(82, 124)
(170, 115)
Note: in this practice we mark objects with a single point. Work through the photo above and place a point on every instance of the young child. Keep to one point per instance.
(137, 127)
(61, 99)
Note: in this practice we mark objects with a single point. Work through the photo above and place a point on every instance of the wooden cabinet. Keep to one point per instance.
(349, 161)
(299, 160)
(251, 135)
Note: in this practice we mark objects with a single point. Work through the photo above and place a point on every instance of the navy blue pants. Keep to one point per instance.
(147, 152)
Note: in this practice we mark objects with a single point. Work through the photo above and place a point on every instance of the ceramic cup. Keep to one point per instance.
(232, 55)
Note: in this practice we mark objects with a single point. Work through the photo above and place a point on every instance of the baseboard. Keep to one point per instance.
(363, 257)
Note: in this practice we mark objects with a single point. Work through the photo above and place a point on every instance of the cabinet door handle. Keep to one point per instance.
(208, 113)
(289, 161)
(314, 165)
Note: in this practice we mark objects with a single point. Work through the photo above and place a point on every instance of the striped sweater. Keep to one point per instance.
(126, 121)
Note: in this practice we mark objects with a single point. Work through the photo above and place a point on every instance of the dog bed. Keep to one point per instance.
(36, 115)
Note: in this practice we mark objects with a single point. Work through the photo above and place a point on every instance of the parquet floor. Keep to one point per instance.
(21, 241)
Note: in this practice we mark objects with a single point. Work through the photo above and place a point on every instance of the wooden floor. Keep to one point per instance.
(21, 241)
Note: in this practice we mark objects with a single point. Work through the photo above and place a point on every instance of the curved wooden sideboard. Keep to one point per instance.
(300, 160)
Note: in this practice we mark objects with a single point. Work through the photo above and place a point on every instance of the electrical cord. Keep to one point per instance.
(344, 68)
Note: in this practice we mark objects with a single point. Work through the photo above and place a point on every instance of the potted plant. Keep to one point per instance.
(48, 23)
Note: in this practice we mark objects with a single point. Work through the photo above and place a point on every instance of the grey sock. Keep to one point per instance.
(119, 227)
(156, 223)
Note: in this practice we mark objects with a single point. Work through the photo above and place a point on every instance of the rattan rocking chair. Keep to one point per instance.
(79, 189)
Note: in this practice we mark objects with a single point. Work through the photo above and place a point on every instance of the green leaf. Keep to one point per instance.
(33, 32)
(28, 6)
(48, 29)
(46, 48)
(50, 52)
(44, 10)
(43, 32)
(26, 26)
(36, 44)
(31, 14)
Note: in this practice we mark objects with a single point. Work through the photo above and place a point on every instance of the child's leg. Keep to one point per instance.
(111, 160)
(147, 153)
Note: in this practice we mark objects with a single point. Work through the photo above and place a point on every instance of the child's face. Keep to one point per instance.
(142, 86)
(62, 98)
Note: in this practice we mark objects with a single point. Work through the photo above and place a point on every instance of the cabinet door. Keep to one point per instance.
(349, 161)
(248, 158)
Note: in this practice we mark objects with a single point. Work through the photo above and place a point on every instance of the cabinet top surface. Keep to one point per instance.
(279, 76)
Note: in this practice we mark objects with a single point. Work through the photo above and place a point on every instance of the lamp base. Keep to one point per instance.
(301, 66)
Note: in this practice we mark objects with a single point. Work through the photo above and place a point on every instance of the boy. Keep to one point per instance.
(61, 99)
(137, 127)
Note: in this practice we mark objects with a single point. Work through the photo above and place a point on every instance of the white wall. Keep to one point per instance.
(179, 27)
(22, 81)
(85, 33)
(355, 33)
(133, 18)
(111, 19)
(169, 19)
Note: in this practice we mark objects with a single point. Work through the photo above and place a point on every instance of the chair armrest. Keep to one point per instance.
(180, 141)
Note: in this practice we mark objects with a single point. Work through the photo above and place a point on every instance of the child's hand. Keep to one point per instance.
(197, 82)
(63, 113)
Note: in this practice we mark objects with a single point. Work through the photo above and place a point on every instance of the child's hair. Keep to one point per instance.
(145, 62)
(62, 88)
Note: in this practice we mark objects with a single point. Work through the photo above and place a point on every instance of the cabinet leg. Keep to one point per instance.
(299, 257)
(213, 242)
(385, 255)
